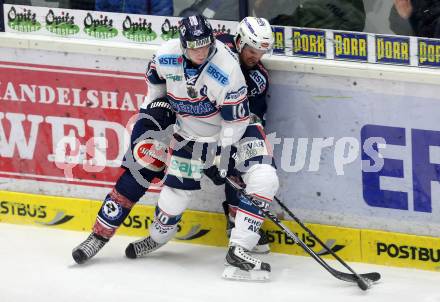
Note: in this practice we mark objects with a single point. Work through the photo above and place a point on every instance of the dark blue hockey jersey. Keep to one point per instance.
(257, 80)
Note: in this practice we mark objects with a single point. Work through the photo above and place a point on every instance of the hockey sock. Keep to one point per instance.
(114, 210)
(117, 205)
(164, 226)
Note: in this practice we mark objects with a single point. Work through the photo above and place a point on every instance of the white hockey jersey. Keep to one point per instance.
(210, 101)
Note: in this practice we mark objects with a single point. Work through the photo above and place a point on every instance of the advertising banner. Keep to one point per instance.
(429, 52)
(289, 41)
(195, 226)
(66, 124)
(358, 152)
(279, 40)
(391, 49)
(98, 25)
(401, 250)
(351, 46)
(309, 43)
(355, 153)
(378, 247)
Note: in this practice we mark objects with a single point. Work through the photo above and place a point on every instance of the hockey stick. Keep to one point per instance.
(364, 281)
(374, 277)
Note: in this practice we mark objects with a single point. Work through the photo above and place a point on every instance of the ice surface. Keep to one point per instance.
(36, 265)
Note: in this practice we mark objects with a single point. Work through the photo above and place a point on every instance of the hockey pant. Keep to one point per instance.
(184, 173)
(182, 177)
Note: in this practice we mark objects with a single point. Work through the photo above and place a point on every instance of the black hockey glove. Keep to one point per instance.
(158, 114)
(217, 176)
(222, 162)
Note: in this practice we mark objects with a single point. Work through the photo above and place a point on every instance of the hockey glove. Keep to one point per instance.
(158, 114)
(217, 176)
(221, 163)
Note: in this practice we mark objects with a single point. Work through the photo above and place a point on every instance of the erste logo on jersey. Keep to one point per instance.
(217, 74)
(170, 60)
(259, 79)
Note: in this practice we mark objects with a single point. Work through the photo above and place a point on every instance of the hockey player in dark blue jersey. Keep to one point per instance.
(250, 43)
(253, 40)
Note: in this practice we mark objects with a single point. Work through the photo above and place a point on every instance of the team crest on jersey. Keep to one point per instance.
(191, 76)
(253, 92)
(192, 92)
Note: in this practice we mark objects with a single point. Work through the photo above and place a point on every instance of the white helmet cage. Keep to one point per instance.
(255, 32)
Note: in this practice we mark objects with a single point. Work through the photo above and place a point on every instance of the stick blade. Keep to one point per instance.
(364, 283)
(371, 276)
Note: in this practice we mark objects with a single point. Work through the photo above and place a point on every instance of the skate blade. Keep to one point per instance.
(234, 273)
(261, 249)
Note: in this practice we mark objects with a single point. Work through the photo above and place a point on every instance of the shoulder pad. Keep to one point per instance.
(223, 49)
(229, 41)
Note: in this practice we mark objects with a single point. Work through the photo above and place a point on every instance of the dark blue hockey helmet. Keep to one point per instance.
(195, 32)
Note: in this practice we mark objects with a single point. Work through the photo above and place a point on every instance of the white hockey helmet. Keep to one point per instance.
(255, 32)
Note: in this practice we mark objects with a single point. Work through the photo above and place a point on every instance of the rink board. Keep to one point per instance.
(208, 228)
(321, 117)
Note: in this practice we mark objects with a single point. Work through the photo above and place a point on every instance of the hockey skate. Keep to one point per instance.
(240, 265)
(262, 246)
(89, 248)
(141, 248)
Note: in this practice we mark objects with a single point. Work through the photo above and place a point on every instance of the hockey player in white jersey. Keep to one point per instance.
(202, 82)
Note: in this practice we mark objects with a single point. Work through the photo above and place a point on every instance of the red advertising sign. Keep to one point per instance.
(63, 124)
